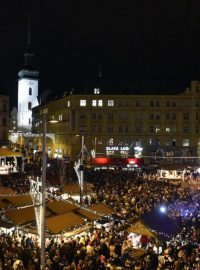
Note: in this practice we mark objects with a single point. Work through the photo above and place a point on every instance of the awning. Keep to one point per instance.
(101, 208)
(7, 191)
(139, 228)
(88, 214)
(73, 188)
(4, 152)
(59, 223)
(2, 204)
(21, 216)
(60, 207)
(19, 200)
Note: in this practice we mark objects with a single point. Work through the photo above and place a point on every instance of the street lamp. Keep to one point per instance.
(43, 189)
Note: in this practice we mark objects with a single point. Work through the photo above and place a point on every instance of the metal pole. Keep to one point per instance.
(43, 188)
(95, 146)
(81, 170)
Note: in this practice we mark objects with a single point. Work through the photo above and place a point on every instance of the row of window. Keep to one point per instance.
(126, 103)
(138, 116)
(138, 129)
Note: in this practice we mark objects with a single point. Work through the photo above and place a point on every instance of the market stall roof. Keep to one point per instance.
(2, 204)
(4, 152)
(19, 200)
(88, 214)
(163, 225)
(7, 191)
(59, 223)
(60, 207)
(75, 188)
(71, 188)
(21, 216)
(78, 230)
(139, 228)
(101, 209)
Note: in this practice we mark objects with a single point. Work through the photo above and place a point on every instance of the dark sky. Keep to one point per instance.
(134, 41)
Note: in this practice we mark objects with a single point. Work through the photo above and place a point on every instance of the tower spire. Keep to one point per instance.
(29, 30)
(28, 56)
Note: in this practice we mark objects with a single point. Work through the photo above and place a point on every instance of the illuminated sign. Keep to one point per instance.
(117, 148)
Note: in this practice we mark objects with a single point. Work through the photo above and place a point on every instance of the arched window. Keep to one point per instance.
(30, 91)
(29, 106)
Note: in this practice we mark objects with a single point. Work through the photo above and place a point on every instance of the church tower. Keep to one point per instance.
(27, 89)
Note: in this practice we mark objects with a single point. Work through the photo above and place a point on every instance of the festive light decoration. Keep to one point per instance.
(35, 188)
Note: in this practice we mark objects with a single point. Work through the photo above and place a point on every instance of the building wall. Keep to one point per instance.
(159, 124)
(4, 118)
(27, 99)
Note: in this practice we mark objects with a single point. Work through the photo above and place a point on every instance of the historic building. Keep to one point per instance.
(156, 126)
(27, 91)
(4, 119)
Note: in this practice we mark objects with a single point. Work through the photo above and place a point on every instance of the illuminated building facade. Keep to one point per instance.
(155, 126)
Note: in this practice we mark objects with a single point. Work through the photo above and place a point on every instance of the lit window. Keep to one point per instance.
(167, 129)
(94, 103)
(96, 91)
(110, 142)
(82, 102)
(68, 103)
(110, 103)
(157, 129)
(186, 142)
(100, 103)
(60, 117)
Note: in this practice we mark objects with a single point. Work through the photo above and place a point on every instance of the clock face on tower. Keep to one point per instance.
(30, 83)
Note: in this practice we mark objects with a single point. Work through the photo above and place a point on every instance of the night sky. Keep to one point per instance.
(151, 43)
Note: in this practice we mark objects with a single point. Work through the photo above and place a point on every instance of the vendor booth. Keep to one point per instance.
(10, 161)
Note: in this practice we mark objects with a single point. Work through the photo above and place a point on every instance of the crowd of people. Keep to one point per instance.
(130, 194)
